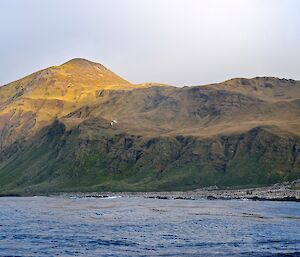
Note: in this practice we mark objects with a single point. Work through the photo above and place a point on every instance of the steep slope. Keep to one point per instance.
(56, 132)
(33, 102)
(95, 157)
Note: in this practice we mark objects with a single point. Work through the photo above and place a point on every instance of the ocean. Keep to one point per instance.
(138, 226)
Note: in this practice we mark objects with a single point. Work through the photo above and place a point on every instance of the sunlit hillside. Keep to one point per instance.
(79, 126)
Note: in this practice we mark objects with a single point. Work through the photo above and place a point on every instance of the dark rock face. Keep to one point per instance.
(56, 130)
(257, 157)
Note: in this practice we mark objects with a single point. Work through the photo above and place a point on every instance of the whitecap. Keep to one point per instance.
(113, 197)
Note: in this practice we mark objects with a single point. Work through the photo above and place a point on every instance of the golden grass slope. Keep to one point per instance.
(147, 109)
(32, 102)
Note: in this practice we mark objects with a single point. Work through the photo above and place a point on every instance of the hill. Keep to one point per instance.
(57, 133)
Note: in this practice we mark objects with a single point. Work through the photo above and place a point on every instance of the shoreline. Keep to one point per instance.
(287, 191)
(293, 195)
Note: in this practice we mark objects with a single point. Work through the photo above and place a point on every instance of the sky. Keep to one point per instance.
(177, 42)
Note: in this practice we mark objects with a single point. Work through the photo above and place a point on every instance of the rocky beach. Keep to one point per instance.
(288, 191)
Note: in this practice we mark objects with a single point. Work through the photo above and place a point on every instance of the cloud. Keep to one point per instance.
(180, 42)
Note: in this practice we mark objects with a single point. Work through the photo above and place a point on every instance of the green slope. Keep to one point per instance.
(60, 160)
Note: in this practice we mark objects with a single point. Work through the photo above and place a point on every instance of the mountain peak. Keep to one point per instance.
(81, 62)
(83, 69)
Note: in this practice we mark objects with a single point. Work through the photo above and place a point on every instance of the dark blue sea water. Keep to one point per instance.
(135, 226)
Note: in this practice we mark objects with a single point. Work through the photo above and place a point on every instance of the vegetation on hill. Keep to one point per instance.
(57, 134)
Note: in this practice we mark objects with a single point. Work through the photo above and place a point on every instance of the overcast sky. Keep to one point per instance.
(179, 42)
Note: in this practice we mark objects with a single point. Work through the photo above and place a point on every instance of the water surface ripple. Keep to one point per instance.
(136, 226)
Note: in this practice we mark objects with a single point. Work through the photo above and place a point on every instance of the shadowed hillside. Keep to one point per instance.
(57, 133)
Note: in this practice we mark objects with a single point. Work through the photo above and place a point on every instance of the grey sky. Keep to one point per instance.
(179, 42)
